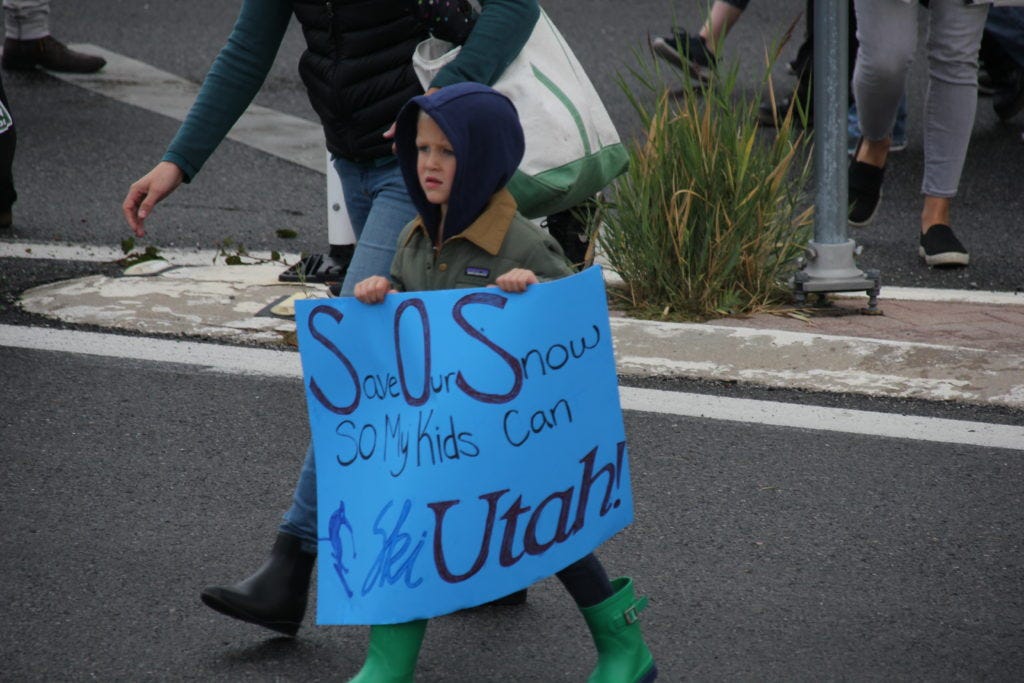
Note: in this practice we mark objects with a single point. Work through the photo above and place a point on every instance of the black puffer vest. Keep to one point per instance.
(357, 68)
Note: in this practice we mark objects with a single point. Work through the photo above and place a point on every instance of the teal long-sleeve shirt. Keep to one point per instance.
(243, 63)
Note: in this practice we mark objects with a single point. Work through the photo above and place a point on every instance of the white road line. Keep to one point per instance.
(819, 418)
(234, 360)
(139, 84)
(270, 363)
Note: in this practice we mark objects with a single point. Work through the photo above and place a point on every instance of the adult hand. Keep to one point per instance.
(516, 280)
(389, 134)
(147, 191)
(373, 289)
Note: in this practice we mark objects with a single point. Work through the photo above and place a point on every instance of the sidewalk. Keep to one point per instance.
(968, 347)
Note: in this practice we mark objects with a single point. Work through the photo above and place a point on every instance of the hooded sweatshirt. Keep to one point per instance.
(484, 236)
(483, 128)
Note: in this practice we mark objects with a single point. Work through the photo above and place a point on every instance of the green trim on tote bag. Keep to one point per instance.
(567, 103)
(562, 188)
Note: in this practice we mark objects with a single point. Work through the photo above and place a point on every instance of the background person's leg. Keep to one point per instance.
(1006, 26)
(723, 16)
(886, 40)
(954, 36)
(954, 39)
(26, 19)
(887, 36)
(28, 42)
(299, 520)
(8, 141)
(379, 207)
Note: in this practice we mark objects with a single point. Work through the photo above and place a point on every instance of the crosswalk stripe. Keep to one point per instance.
(139, 84)
(273, 363)
(819, 418)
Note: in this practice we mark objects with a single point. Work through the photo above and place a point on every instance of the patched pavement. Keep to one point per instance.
(927, 344)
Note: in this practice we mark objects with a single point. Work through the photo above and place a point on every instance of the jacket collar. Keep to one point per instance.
(488, 230)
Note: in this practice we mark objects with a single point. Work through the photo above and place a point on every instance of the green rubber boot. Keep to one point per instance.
(622, 654)
(394, 649)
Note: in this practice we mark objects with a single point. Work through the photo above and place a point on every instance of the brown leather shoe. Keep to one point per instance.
(49, 53)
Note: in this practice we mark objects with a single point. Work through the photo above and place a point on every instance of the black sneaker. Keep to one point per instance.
(940, 247)
(771, 118)
(571, 234)
(992, 80)
(799, 101)
(321, 268)
(802, 61)
(689, 53)
(1009, 100)
(864, 192)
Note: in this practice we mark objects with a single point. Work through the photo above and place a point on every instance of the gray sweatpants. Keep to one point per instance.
(26, 19)
(887, 33)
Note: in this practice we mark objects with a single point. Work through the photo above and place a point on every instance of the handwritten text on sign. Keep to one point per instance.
(468, 443)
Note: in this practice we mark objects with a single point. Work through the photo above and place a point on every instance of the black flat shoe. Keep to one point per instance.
(940, 247)
(864, 190)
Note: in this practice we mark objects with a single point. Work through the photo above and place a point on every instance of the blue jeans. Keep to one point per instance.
(1006, 26)
(300, 519)
(899, 129)
(379, 207)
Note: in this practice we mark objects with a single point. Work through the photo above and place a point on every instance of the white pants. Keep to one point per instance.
(26, 19)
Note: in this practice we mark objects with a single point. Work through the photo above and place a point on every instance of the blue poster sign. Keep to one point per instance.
(468, 443)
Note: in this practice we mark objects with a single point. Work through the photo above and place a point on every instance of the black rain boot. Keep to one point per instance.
(273, 597)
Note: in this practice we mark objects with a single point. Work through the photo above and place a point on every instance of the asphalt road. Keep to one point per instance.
(768, 553)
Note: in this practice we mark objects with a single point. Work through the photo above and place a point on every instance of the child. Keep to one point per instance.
(457, 150)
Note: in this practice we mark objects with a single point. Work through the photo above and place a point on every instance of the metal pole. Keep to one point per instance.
(829, 266)
(831, 22)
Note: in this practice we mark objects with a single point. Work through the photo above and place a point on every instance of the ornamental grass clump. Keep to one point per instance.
(711, 214)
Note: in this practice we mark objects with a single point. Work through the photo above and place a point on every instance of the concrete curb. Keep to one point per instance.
(233, 303)
(219, 302)
(819, 362)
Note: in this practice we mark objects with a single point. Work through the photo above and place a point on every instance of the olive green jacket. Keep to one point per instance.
(499, 240)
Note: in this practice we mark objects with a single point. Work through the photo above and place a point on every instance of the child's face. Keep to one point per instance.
(435, 161)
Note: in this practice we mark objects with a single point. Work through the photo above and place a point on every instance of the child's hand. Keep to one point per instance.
(373, 289)
(516, 280)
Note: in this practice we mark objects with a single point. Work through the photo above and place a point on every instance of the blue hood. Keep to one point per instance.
(483, 128)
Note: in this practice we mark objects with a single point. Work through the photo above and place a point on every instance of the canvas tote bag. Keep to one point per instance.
(572, 148)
